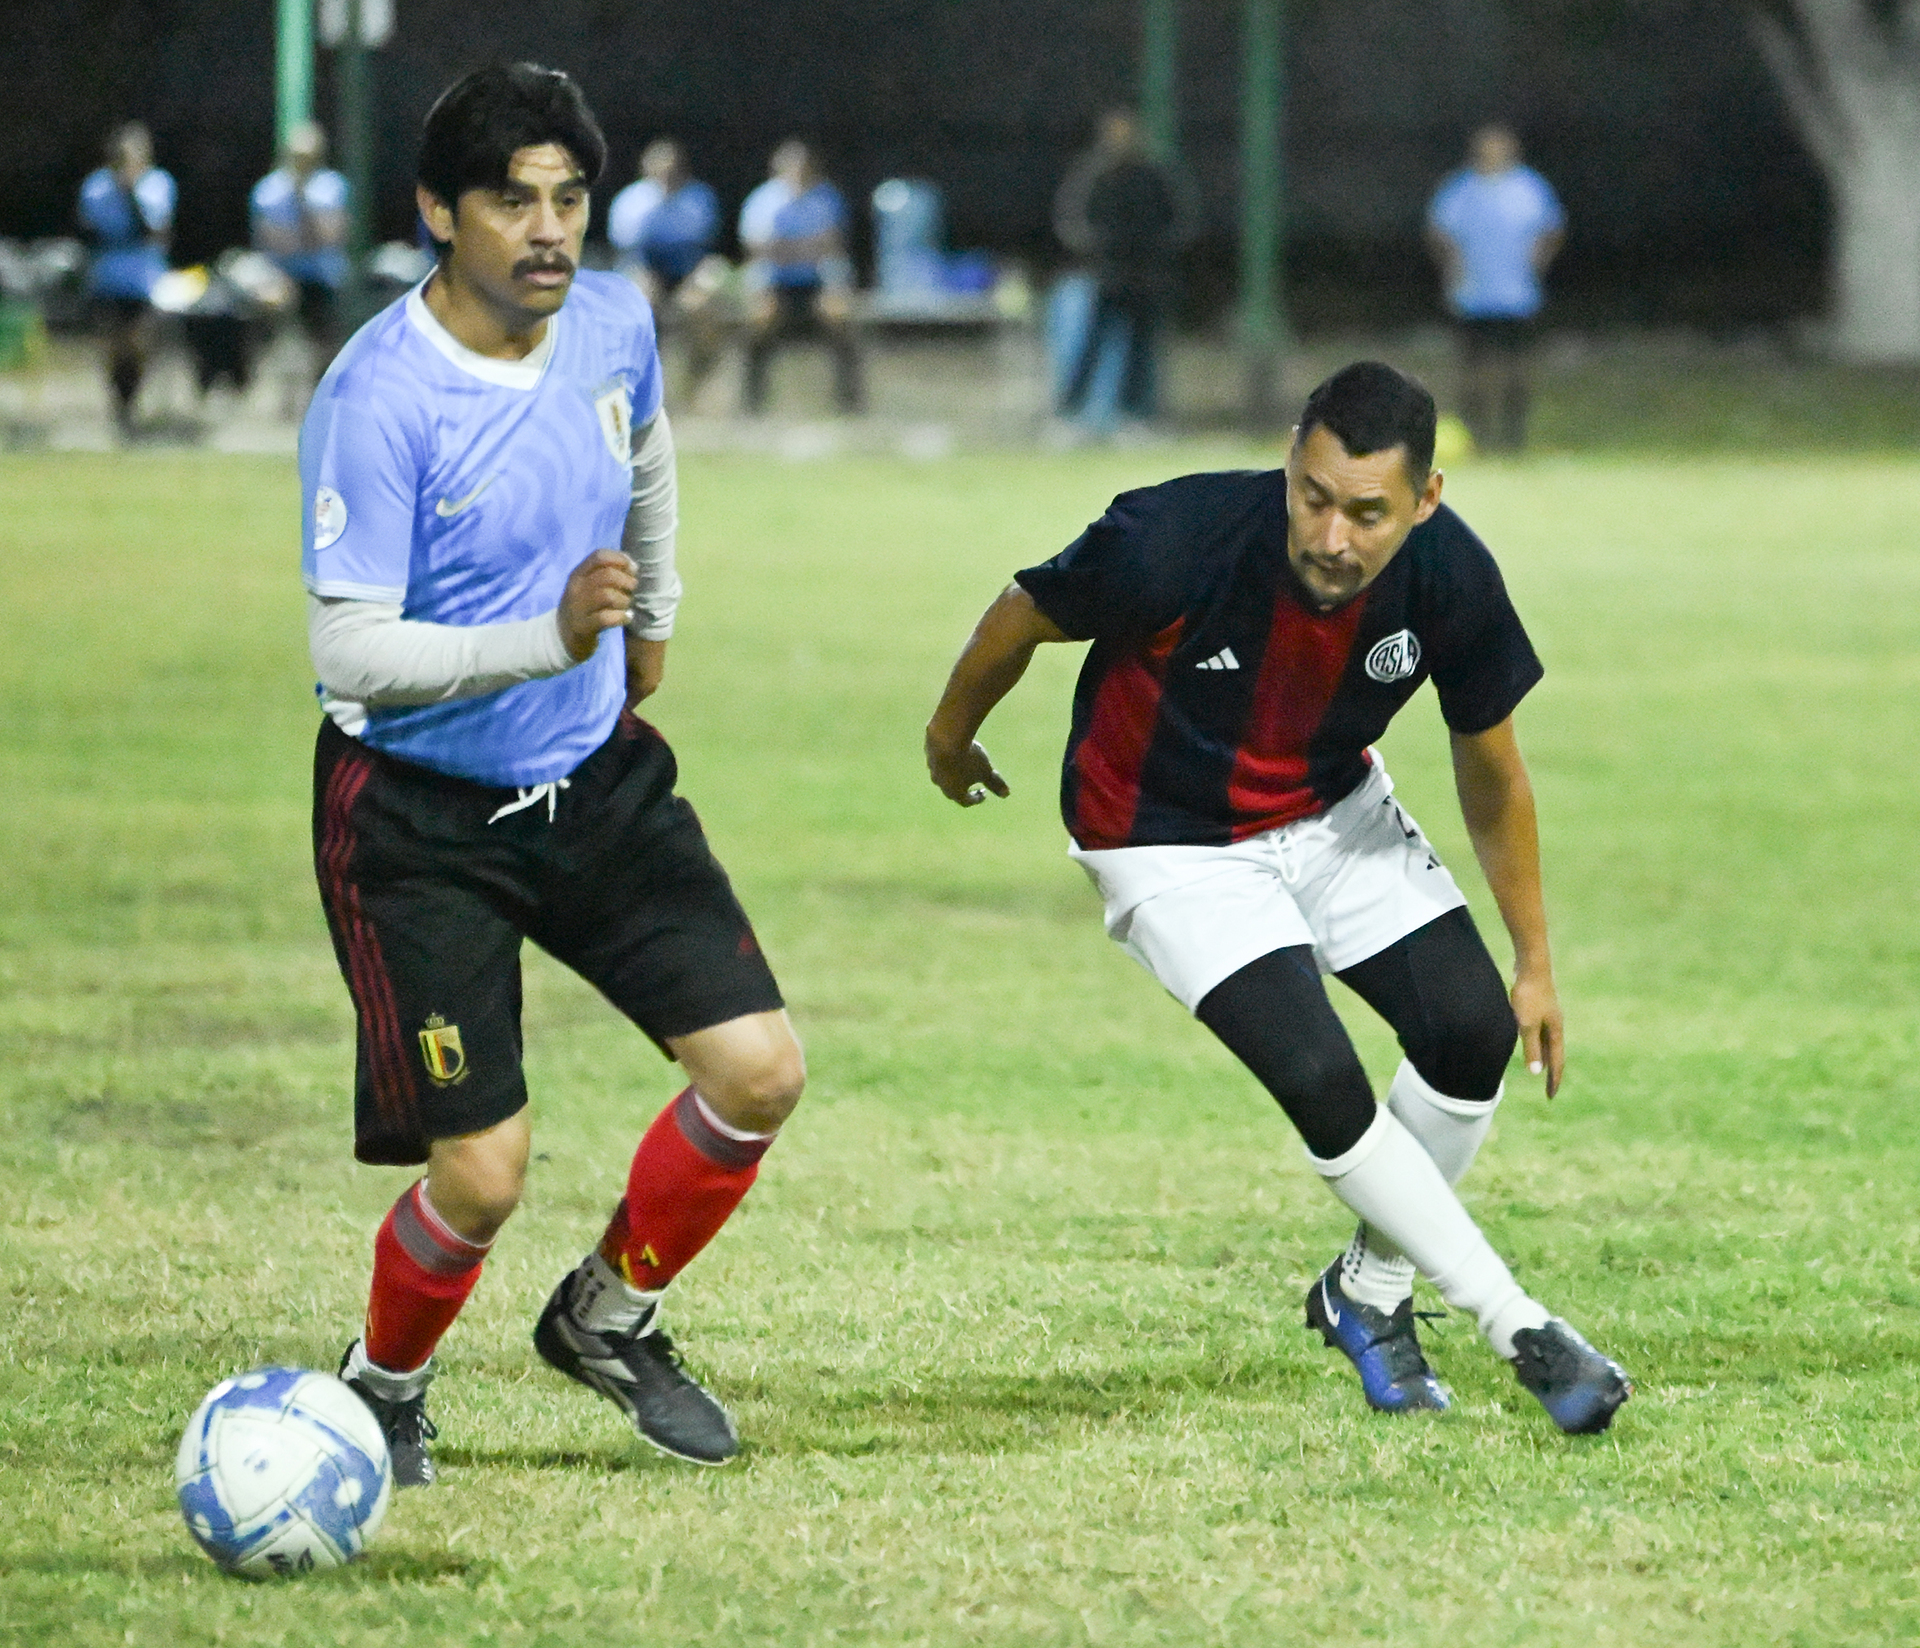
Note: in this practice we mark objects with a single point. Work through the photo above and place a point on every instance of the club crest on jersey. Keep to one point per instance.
(329, 517)
(616, 421)
(1394, 657)
(446, 1059)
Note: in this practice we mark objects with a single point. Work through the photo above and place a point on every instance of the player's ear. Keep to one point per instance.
(1429, 496)
(435, 212)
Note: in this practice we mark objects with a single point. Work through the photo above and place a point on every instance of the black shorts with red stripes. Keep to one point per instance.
(431, 882)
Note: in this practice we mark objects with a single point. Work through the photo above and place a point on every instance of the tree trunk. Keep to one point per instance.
(1851, 78)
(1876, 245)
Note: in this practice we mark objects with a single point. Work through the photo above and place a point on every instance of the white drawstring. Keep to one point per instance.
(549, 792)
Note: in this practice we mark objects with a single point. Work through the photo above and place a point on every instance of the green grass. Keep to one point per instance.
(1012, 1322)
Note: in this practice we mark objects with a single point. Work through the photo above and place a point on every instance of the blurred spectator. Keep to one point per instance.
(1126, 217)
(1495, 227)
(126, 211)
(794, 229)
(663, 227)
(299, 213)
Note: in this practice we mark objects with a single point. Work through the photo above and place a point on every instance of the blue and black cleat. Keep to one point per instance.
(1579, 1388)
(1393, 1373)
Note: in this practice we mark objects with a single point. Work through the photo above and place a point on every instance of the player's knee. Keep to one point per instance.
(1464, 1054)
(475, 1183)
(758, 1094)
(1326, 1076)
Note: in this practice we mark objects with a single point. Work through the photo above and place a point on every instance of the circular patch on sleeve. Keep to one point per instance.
(329, 517)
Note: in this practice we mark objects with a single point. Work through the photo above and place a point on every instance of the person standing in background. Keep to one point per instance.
(1126, 216)
(1495, 227)
(794, 229)
(299, 217)
(663, 227)
(126, 210)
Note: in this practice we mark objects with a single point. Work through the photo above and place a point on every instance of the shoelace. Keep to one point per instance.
(660, 1346)
(548, 792)
(411, 1424)
(1402, 1327)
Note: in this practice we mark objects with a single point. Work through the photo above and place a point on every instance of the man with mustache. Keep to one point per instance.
(469, 464)
(1253, 634)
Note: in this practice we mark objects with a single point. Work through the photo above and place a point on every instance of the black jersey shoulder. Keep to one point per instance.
(1156, 552)
(1472, 641)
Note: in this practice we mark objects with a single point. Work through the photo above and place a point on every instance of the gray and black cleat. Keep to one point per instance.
(405, 1425)
(642, 1374)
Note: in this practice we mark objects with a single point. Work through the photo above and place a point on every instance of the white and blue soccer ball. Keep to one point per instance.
(282, 1471)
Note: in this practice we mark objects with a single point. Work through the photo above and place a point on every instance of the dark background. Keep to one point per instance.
(1691, 201)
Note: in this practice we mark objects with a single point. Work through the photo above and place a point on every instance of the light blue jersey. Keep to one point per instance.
(466, 489)
(128, 229)
(280, 200)
(1496, 220)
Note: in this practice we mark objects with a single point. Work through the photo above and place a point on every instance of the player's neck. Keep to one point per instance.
(479, 325)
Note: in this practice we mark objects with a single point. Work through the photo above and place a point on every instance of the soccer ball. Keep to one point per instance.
(282, 1471)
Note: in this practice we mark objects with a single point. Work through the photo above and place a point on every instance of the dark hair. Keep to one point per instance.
(481, 122)
(1370, 407)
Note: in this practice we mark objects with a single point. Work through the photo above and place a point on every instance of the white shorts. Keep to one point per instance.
(1348, 881)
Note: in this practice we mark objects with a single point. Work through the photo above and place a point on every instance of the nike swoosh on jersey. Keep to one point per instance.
(446, 508)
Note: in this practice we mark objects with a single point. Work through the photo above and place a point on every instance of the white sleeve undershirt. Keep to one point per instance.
(369, 657)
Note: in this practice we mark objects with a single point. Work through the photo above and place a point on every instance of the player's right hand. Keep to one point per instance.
(964, 776)
(599, 596)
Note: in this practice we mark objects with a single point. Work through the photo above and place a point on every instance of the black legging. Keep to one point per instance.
(1439, 989)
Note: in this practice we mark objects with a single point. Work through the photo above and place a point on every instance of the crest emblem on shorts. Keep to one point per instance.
(1394, 657)
(615, 412)
(329, 517)
(446, 1059)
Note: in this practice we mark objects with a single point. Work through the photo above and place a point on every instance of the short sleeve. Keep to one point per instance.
(649, 385)
(92, 205)
(1099, 586)
(703, 213)
(1486, 663)
(359, 482)
(627, 216)
(157, 195)
(327, 192)
(1444, 211)
(1552, 217)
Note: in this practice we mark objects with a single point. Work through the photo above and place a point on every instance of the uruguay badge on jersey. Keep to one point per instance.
(615, 411)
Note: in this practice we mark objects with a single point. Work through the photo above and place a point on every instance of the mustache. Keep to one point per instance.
(551, 263)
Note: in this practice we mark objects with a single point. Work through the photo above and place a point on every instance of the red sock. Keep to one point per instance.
(422, 1274)
(687, 1178)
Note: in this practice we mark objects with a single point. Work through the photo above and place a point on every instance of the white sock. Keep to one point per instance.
(1393, 1184)
(1451, 1131)
(386, 1384)
(604, 1302)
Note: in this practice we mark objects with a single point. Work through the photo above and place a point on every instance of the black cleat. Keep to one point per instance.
(1579, 1388)
(406, 1427)
(1394, 1376)
(642, 1374)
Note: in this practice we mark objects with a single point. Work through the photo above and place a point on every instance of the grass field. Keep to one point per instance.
(1012, 1323)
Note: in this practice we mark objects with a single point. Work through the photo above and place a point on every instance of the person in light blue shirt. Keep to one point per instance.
(663, 227)
(490, 508)
(126, 211)
(1495, 226)
(794, 229)
(664, 222)
(299, 218)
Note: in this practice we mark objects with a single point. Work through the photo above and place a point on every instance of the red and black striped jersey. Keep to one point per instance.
(1217, 702)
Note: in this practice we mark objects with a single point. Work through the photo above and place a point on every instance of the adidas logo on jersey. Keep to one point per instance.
(1223, 659)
